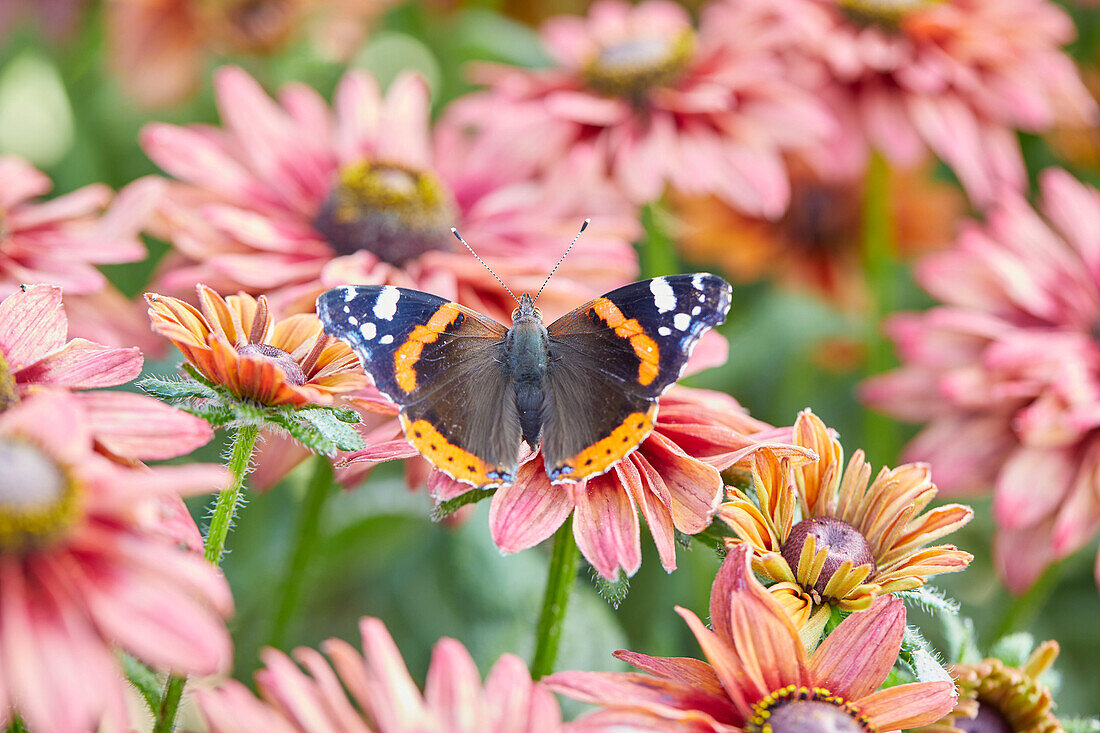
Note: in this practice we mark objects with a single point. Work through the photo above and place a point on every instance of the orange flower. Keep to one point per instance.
(816, 243)
(821, 528)
(759, 677)
(235, 343)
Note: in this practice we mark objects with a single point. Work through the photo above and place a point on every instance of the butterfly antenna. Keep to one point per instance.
(459, 238)
(567, 251)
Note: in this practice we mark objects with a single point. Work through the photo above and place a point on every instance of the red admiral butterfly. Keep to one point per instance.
(471, 389)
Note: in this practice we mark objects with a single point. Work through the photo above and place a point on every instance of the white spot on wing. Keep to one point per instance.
(386, 305)
(681, 321)
(697, 281)
(696, 310)
(664, 330)
(368, 330)
(387, 339)
(349, 294)
(353, 320)
(663, 297)
(347, 309)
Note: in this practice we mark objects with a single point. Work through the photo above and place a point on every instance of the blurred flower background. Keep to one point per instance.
(903, 195)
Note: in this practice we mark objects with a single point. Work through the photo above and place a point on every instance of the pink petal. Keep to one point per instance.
(1032, 485)
(22, 181)
(909, 706)
(646, 487)
(453, 687)
(136, 426)
(293, 693)
(683, 669)
(403, 126)
(82, 364)
(32, 324)
(876, 633)
(528, 511)
(694, 487)
(1022, 555)
(232, 708)
(667, 698)
(605, 525)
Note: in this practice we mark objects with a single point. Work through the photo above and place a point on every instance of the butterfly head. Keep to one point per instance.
(527, 311)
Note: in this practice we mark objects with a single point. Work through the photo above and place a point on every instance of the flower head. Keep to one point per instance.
(673, 480)
(62, 240)
(291, 198)
(87, 570)
(833, 535)
(384, 697)
(1006, 373)
(658, 101)
(996, 696)
(955, 77)
(758, 677)
(234, 342)
(35, 356)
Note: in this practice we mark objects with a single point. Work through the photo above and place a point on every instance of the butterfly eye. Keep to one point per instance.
(538, 314)
(515, 313)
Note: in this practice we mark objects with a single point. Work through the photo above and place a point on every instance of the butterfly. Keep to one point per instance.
(472, 390)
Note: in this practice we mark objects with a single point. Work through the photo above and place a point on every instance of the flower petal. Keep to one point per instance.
(528, 511)
(605, 525)
(32, 325)
(876, 633)
(909, 706)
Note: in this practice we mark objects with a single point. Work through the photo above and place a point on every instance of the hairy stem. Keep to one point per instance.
(305, 544)
(560, 579)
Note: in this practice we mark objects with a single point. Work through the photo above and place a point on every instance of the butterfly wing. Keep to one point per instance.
(441, 363)
(612, 358)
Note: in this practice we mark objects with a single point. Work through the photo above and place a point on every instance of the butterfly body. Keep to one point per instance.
(471, 391)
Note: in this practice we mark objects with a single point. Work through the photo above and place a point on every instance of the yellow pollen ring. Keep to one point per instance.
(457, 463)
(606, 453)
(644, 347)
(406, 356)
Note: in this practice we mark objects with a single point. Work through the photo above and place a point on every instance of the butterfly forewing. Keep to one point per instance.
(612, 358)
(441, 363)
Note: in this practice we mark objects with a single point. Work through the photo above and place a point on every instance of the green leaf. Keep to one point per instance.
(1013, 649)
(147, 682)
(214, 413)
(918, 658)
(171, 390)
(444, 509)
(612, 591)
(334, 430)
(303, 432)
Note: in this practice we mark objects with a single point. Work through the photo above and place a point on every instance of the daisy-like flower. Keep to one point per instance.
(957, 77)
(158, 48)
(60, 242)
(658, 101)
(234, 342)
(758, 677)
(35, 355)
(383, 697)
(816, 243)
(291, 198)
(1006, 373)
(827, 535)
(994, 696)
(85, 572)
(673, 480)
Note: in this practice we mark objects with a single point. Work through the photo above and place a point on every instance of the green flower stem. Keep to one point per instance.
(560, 579)
(305, 544)
(225, 509)
(879, 253)
(657, 254)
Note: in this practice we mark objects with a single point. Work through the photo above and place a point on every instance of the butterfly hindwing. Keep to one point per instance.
(612, 358)
(441, 363)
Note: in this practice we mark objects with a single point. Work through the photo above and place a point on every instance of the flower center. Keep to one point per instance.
(394, 212)
(842, 540)
(822, 218)
(291, 369)
(802, 710)
(988, 720)
(8, 395)
(888, 13)
(38, 499)
(633, 67)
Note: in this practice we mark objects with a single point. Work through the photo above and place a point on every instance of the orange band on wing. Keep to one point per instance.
(606, 453)
(406, 356)
(644, 347)
(457, 463)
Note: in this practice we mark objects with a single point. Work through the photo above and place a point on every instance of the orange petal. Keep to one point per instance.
(908, 706)
(857, 656)
(681, 669)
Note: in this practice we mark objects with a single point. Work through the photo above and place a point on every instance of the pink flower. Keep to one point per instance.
(85, 572)
(658, 102)
(292, 197)
(757, 672)
(673, 480)
(957, 77)
(34, 355)
(1006, 373)
(62, 240)
(384, 697)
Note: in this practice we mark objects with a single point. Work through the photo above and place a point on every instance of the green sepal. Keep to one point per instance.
(612, 591)
(171, 390)
(336, 431)
(145, 680)
(919, 659)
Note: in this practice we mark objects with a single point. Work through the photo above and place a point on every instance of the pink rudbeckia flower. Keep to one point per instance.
(35, 355)
(290, 197)
(1006, 373)
(758, 677)
(384, 697)
(85, 572)
(659, 102)
(957, 77)
(673, 480)
(62, 240)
